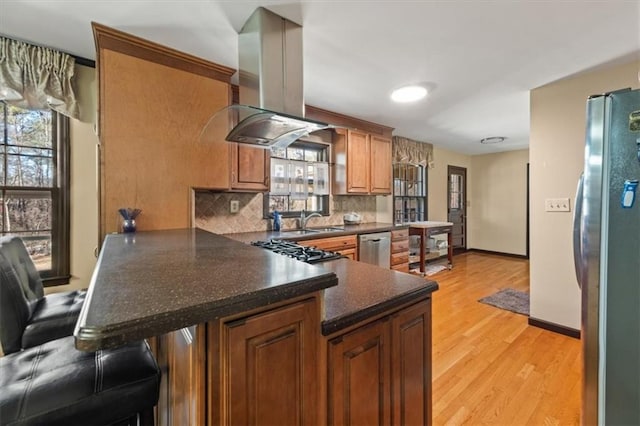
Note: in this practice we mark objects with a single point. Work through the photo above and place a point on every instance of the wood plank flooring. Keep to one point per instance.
(489, 366)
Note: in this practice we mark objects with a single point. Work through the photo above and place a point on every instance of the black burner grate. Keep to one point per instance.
(296, 251)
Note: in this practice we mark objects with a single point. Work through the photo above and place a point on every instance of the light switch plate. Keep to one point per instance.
(234, 206)
(557, 205)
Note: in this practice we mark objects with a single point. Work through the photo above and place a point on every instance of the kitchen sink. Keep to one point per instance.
(329, 229)
(310, 231)
(298, 232)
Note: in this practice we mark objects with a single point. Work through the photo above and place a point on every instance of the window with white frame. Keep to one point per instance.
(299, 180)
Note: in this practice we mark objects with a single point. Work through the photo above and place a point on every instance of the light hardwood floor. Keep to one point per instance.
(489, 366)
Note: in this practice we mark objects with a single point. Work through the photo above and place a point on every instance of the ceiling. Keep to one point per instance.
(480, 58)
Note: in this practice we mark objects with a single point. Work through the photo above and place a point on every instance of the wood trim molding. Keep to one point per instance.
(499, 253)
(556, 328)
(128, 44)
(331, 117)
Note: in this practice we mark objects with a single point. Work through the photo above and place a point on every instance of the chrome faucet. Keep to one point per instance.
(304, 219)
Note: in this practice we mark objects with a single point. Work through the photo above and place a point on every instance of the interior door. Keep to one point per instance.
(456, 210)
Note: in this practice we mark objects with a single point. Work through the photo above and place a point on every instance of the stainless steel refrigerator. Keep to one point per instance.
(607, 256)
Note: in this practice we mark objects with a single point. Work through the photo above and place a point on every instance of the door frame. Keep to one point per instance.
(463, 171)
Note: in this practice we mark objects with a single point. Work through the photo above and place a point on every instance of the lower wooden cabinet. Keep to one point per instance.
(359, 379)
(380, 373)
(267, 370)
(400, 250)
(274, 368)
(181, 358)
(411, 365)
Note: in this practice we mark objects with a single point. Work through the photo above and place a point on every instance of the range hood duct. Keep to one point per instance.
(271, 86)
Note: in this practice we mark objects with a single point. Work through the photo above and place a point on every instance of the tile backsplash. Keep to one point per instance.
(212, 212)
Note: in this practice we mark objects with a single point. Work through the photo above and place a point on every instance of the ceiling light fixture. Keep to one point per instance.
(408, 94)
(492, 139)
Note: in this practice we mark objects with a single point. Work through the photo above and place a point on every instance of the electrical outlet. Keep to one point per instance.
(557, 205)
(234, 206)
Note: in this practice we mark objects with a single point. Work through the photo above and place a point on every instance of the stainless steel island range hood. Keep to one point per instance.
(271, 86)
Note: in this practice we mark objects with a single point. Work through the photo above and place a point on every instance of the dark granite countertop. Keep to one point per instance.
(364, 228)
(149, 283)
(366, 290)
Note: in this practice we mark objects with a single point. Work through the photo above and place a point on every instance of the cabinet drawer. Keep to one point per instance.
(398, 258)
(349, 253)
(399, 246)
(332, 243)
(400, 234)
(403, 267)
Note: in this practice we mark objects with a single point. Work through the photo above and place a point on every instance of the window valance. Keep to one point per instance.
(408, 151)
(36, 77)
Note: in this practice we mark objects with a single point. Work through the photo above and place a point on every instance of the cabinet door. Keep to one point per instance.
(359, 391)
(271, 371)
(180, 355)
(357, 162)
(411, 365)
(249, 168)
(380, 165)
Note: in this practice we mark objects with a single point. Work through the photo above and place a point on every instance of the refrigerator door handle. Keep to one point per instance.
(577, 231)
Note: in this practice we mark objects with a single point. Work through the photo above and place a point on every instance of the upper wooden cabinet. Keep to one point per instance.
(153, 103)
(250, 168)
(381, 165)
(362, 163)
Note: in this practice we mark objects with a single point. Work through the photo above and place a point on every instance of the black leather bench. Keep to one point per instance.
(55, 384)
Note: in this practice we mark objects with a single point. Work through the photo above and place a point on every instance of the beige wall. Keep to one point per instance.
(437, 185)
(499, 191)
(556, 156)
(84, 182)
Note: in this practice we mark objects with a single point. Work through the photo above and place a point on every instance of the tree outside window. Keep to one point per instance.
(34, 182)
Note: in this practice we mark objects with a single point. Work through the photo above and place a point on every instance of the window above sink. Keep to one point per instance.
(299, 180)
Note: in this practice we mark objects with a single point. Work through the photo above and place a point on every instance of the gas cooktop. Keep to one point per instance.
(296, 251)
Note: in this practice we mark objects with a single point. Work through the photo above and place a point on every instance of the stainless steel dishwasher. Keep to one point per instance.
(375, 249)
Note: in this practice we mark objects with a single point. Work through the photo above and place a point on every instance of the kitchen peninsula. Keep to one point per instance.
(246, 336)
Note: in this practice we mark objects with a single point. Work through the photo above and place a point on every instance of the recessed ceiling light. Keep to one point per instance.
(408, 94)
(493, 139)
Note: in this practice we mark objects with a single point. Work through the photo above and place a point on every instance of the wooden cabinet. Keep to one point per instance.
(359, 372)
(266, 368)
(411, 365)
(346, 245)
(249, 168)
(381, 165)
(400, 250)
(358, 167)
(362, 163)
(181, 357)
(380, 373)
(153, 103)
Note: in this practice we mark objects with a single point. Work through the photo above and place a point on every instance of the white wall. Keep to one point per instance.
(84, 182)
(556, 157)
(499, 191)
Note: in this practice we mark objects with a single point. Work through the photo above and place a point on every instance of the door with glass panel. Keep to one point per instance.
(456, 209)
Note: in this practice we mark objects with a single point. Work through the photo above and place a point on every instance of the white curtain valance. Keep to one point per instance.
(408, 151)
(36, 77)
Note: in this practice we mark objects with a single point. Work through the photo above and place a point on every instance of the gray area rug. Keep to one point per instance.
(512, 300)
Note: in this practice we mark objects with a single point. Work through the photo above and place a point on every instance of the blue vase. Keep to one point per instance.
(128, 225)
